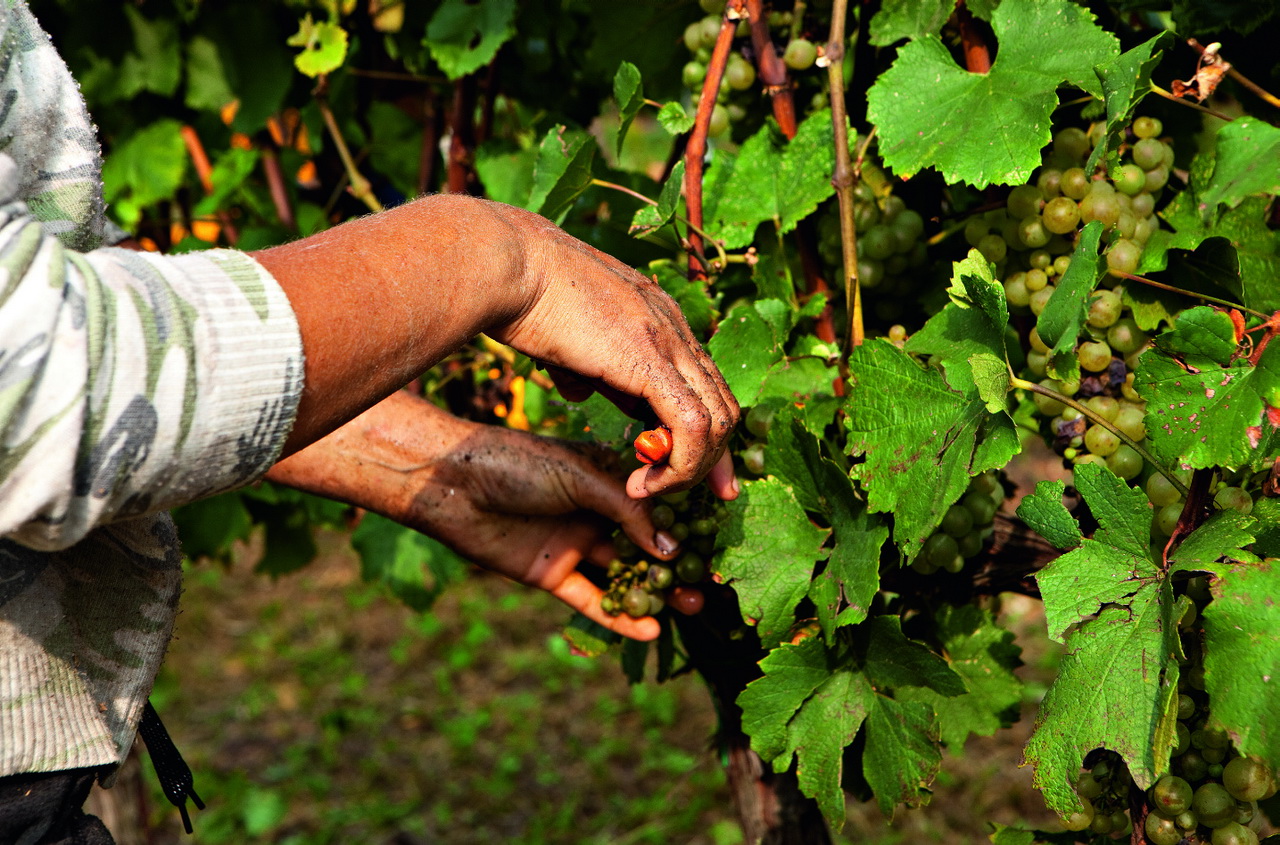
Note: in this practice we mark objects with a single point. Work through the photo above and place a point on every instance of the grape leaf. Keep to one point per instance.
(1267, 512)
(1200, 333)
(1045, 514)
(324, 46)
(210, 527)
(629, 92)
(767, 551)
(901, 756)
(588, 637)
(692, 297)
(464, 35)
(769, 179)
(1242, 657)
(1247, 163)
(987, 128)
(651, 218)
(1110, 565)
(1110, 692)
(1223, 537)
(414, 567)
(971, 324)
(791, 674)
(984, 655)
(673, 118)
(891, 661)
(901, 19)
(1060, 322)
(991, 377)
(154, 64)
(562, 172)
(744, 348)
(918, 455)
(1126, 80)
(208, 88)
(1213, 416)
(148, 167)
(1002, 835)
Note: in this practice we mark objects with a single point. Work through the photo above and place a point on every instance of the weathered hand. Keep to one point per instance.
(614, 330)
(527, 507)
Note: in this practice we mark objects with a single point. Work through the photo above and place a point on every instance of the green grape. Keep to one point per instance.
(739, 73)
(663, 516)
(1080, 819)
(956, 564)
(1095, 356)
(1130, 179)
(693, 36)
(908, 225)
(982, 508)
(1071, 143)
(1244, 811)
(1143, 205)
(1101, 823)
(800, 54)
(759, 419)
(1148, 153)
(1125, 337)
(1040, 299)
(1247, 778)
(893, 206)
(1190, 763)
(1214, 757)
(719, 121)
(693, 74)
(1103, 406)
(940, 549)
(993, 248)
(1127, 225)
(1015, 290)
(1047, 405)
(1171, 795)
(1144, 229)
(1075, 184)
(975, 229)
(1037, 343)
(1161, 492)
(1024, 201)
(690, 568)
(1234, 833)
(710, 30)
(970, 544)
(660, 577)
(1035, 280)
(1101, 206)
(986, 483)
(1157, 179)
(623, 546)
(1060, 264)
(636, 602)
(878, 242)
(957, 521)
(1125, 462)
(753, 459)
(1186, 820)
(898, 333)
(1211, 738)
(1100, 442)
(1049, 182)
(1061, 215)
(1186, 704)
(1233, 498)
(870, 273)
(1213, 805)
(1182, 739)
(712, 7)
(1123, 257)
(1040, 260)
(1087, 786)
(1162, 831)
(1147, 127)
(1032, 233)
(702, 527)
(1166, 520)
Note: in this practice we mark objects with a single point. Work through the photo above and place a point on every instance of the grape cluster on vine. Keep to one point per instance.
(966, 527)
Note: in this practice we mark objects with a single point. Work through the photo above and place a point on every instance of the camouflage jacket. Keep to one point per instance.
(129, 383)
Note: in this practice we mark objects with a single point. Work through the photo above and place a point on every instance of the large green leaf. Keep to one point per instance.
(899, 19)
(744, 348)
(767, 551)
(918, 455)
(465, 36)
(413, 567)
(562, 171)
(1126, 80)
(987, 128)
(770, 179)
(1045, 514)
(629, 92)
(1060, 322)
(972, 324)
(147, 168)
(1248, 163)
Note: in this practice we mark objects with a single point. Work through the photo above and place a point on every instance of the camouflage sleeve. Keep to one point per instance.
(130, 382)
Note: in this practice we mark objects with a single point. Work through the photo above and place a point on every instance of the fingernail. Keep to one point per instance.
(665, 542)
(735, 485)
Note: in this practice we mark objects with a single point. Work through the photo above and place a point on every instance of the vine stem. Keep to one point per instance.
(977, 57)
(204, 170)
(1262, 93)
(715, 242)
(696, 149)
(1215, 300)
(279, 190)
(773, 72)
(1097, 418)
(360, 187)
(843, 177)
(1168, 95)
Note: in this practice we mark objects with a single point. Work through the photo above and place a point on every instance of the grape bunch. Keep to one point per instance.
(640, 587)
(1104, 791)
(732, 103)
(965, 529)
(891, 245)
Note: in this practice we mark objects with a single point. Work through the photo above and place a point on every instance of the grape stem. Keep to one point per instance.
(1156, 89)
(360, 187)
(724, 257)
(1097, 418)
(1257, 89)
(843, 177)
(1215, 300)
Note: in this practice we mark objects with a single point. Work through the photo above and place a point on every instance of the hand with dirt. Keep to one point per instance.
(527, 507)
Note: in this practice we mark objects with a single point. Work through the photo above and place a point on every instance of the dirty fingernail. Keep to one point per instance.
(735, 485)
(665, 542)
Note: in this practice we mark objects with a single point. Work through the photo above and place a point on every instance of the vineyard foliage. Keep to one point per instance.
(1048, 248)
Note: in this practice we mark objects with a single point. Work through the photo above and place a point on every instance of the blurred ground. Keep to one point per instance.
(315, 710)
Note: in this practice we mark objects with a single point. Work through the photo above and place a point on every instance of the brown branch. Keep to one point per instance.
(200, 160)
(359, 186)
(772, 71)
(461, 178)
(1262, 93)
(279, 190)
(843, 178)
(695, 151)
(977, 58)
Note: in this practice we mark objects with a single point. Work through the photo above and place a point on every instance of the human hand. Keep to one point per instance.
(603, 326)
(527, 507)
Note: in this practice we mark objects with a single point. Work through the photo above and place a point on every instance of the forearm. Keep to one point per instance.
(381, 299)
